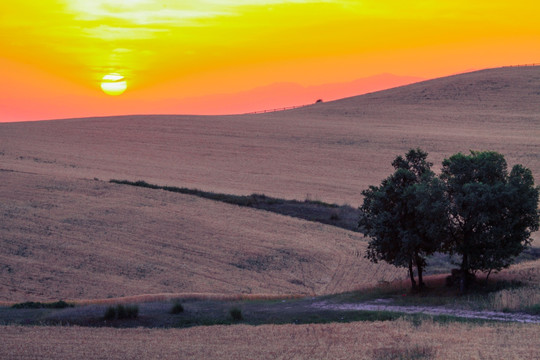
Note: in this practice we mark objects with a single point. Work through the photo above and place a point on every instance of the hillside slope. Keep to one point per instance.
(65, 235)
(87, 239)
(329, 151)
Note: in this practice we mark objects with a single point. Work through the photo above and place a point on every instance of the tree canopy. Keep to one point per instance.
(491, 213)
(399, 215)
(474, 209)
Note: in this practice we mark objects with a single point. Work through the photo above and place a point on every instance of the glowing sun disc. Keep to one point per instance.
(113, 84)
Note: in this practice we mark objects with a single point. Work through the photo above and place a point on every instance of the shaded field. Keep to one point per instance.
(374, 340)
(64, 238)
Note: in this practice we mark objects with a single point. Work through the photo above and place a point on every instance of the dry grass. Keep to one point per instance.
(74, 239)
(379, 340)
(514, 299)
(520, 298)
(146, 298)
(65, 236)
(330, 151)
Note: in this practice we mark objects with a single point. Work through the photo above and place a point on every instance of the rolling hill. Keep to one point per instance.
(68, 233)
(329, 151)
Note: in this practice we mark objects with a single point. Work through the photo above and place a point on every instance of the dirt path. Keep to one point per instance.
(384, 305)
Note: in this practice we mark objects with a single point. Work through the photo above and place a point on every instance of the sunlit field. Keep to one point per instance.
(67, 232)
(64, 238)
(329, 151)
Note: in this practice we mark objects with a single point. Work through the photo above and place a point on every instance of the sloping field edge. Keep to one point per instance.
(343, 216)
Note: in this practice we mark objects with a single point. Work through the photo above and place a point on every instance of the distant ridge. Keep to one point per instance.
(330, 150)
(506, 88)
(286, 95)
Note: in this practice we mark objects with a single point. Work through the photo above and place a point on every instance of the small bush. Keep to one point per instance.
(110, 313)
(121, 312)
(28, 305)
(533, 310)
(132, 312)
(61, 304)
(177, 308)
(236, 314)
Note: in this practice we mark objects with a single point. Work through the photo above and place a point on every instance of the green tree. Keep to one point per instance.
(404, 216)
(491, 213)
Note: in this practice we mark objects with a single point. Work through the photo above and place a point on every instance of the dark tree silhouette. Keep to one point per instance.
(404, 216)
(491, 213)
(475, 209)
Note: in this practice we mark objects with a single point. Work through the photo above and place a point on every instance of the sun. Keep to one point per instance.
(113, 84)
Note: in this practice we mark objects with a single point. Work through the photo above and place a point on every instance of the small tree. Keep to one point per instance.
(403, 215)
(491, 214)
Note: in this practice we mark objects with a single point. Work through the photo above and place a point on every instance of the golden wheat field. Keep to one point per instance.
(66, 232)
(85, 239)
(379, 340)
(327, 151)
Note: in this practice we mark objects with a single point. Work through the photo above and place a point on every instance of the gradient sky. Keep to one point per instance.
(54, 53)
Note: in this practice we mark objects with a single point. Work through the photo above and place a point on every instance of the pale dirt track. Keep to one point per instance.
(383, 305)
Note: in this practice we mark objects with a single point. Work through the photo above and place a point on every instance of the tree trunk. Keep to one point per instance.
(419, 269)
(487, 277)
(464, 279)
(411, 274)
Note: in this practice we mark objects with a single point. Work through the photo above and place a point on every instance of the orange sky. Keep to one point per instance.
(54, 53)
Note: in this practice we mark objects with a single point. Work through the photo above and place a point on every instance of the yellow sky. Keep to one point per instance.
(190, 48)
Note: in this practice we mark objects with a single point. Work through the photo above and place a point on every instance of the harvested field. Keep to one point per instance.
(64, 238)
(329, 151)
(65, 235)
(379, 340)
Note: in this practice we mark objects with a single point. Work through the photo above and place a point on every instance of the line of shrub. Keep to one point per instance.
(240, 200)
(343, 216)
(61, 304)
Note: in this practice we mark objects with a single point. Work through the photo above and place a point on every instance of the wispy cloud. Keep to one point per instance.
(110, 33)
(180, 12)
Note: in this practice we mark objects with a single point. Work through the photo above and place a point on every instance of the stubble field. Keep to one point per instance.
(88, 239)
(66, 232)
(327, 151)
(379, 340)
